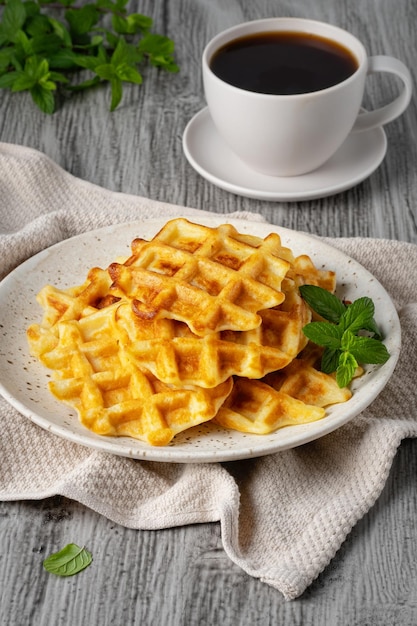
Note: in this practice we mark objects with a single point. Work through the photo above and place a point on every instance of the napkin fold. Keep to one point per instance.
(283, 516)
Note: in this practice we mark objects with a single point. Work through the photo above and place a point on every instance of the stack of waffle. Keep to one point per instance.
(198, 324)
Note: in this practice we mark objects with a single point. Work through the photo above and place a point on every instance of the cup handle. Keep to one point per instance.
(387, 113)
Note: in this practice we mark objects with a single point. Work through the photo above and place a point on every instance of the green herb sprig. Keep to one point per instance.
(44, 55)
(69, 561)
(349, 335)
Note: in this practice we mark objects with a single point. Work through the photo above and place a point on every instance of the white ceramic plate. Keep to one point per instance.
(23, 381)
(211, 157)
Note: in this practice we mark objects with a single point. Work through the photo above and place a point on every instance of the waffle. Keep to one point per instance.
(72, 303)
(297, 394)
(256, 407)
(303, 381)
(176, 356)
(304, 272)
(94, 375)
(212, 279)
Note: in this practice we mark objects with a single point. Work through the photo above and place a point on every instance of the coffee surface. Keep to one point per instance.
(283, 63)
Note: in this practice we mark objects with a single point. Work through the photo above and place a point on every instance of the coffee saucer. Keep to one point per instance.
(210, 156)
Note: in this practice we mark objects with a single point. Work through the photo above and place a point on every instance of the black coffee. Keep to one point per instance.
(283, 63)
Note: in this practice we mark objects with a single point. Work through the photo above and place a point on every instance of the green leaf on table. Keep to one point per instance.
(82, 20)
(128, 74)
(13, 18)
(43, 98)
(116, 93)
(88, 62)
(159, 50)
(101, 37)
(7, 80)
(131, 24)
(44, 45)
(63, 59)
(64, 3)
(86, 84)
(125, 53)
(60, 31)
(35, 71)
(32, 9)
(106, 71)
(69, 561)
(6, 57)
(38, 25)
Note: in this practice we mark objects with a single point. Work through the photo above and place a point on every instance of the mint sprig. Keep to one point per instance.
(99, 40)
(350, 336)
(69, 561)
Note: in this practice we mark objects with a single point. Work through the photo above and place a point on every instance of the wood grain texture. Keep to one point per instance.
(182, 576)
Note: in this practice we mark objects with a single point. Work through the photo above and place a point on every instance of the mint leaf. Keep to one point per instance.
(7, 80)
(66, 3)
(60, 31)
(35, 72)
(368, 350)
(86, 84)
(358, 315)
(14, 16)
(159, 50)
(105, 71)
(372, 327)
(323, 334)
(31, 8)
(6, 55)
(38, 25)
(69, 561)
(344, 348)
(346, 369)
(116, 93)
(324, 303)
(43, 98)
(44, 45)
(329, 360)
(131, 24)
(31, 41)
(128, 74)
(64, 59)
(124, 53)
(82, 20)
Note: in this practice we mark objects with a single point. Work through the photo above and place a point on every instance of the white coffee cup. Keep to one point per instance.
(289, 135)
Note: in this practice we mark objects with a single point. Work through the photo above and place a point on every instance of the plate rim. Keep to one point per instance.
(171, 453)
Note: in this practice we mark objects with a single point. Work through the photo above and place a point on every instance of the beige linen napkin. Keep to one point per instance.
(283, 516)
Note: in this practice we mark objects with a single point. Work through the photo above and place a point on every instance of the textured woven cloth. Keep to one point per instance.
(282, 516)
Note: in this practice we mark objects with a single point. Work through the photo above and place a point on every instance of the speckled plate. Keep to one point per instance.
(23, 381)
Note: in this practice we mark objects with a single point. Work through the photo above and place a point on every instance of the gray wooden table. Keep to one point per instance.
(182, 576)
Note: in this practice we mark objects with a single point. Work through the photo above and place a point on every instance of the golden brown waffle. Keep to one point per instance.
(72, 303)
(295, 395)
(93, 374)
(176, 356)
(304, 272)
(212, 279)
(303, 381)
(256, 407)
